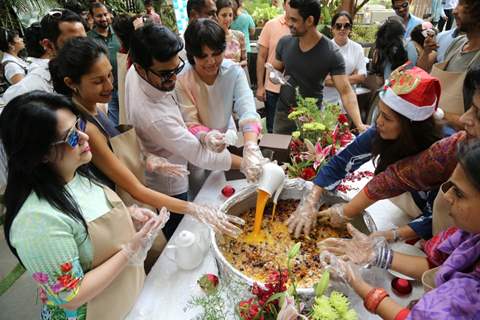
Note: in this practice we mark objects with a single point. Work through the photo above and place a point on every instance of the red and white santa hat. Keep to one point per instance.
(413, 93)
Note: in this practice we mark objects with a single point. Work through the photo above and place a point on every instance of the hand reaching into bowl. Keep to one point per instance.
(361, 249)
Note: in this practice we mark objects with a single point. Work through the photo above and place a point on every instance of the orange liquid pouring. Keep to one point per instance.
(257, 235)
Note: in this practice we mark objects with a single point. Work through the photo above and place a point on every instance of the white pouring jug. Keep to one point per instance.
(189, 249)
(272, 180)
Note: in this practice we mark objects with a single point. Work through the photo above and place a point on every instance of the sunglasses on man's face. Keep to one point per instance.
(340, 26)
(168, 74)
(403, 5)
(73, 136)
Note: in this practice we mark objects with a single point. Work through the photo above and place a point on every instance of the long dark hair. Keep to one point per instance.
(415, 136)
(26, 150)
(468, 156)
(74, 60)
(389, 47)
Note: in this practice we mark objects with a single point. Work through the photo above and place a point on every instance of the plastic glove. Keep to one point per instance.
(162, 166)
(140, 215)
(340, 267)
(252, 162)
(136, 249)
(305, 216)
(275, 76)
(361, 249)
(334, 216)
(217, 219)
(214, 140)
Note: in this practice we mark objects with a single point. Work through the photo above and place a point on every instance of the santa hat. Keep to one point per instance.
(413, 93)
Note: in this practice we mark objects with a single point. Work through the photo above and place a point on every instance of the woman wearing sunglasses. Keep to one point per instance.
(211, 89)
(82, 70)
(454, 283)
(76, 238)
(352, 52)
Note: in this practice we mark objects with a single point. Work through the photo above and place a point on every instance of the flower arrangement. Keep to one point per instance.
(277, 299)
(320, 135)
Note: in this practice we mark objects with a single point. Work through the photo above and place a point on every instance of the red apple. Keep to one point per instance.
(228, 191)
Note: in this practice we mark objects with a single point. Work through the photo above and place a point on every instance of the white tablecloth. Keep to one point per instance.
(168, 289)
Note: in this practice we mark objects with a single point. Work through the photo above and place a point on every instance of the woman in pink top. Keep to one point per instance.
(236, 49)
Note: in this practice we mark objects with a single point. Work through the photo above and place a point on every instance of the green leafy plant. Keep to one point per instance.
(364, 33)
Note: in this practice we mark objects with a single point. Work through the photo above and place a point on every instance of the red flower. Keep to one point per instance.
(208, 282)
(65, 280)
(66, 267)
(73, 284)
(342, 118)
(308, 173)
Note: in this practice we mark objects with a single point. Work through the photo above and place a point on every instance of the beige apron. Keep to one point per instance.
(107, 234)
(451, 83)
(126, 147)
(441, 220)
(406, 204)
(121, 76)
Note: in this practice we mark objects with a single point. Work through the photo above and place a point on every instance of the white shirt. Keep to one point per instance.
(352, 53)
(213, 105)
(450, 4)
(159, 125)
(37, 78)
(18, 66)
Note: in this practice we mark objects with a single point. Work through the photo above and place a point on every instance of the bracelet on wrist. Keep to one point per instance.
(396, 236)
(402, 314)
(373, 299)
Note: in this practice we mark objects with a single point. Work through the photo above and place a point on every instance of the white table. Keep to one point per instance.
(168, 289)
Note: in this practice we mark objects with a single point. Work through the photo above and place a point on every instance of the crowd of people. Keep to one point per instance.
(103, 124)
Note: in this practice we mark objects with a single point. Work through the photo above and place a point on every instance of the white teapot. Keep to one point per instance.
(272, 180)
(189, 249)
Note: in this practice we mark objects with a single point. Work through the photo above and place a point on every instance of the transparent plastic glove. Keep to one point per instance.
(214, 140)
(140, 215)
(340, 267)
(362, 250)
(276, 76)
(136, 249)
(217, 219)
(334, 216)
(252, 162)
(305, 216)
(162, 166)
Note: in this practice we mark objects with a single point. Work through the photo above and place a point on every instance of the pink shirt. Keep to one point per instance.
(273, 31)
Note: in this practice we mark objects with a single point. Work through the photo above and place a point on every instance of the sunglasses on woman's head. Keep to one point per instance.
(72, 136)
(340, 26)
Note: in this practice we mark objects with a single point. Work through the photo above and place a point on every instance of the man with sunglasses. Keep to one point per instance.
(151, 107)
(57, 26)
(402, 9)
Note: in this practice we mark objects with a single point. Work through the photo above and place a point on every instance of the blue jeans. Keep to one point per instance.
(270, 107)
(113, 108)
(175, 218)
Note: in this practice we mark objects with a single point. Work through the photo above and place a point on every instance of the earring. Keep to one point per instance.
(75, 90)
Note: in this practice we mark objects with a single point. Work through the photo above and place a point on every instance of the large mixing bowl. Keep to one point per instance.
(246, 199)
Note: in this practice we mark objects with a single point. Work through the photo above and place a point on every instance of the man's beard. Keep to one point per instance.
(101, 25)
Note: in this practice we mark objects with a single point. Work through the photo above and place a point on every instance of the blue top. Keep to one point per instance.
(412, 52)
(355, 155)
(413, 21)
(243, 23)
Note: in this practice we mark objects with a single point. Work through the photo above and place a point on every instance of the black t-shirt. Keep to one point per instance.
(307, 70)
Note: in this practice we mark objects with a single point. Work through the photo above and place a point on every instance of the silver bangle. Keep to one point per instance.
(396, 236)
